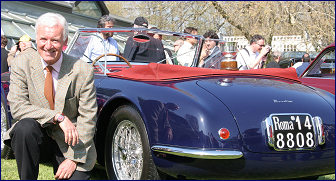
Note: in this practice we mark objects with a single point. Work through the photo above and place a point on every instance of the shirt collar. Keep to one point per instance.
(56, 66)
(102, 37)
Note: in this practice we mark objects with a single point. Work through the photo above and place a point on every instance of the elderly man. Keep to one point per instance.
(103, 43)
(276, 55)
(24, 45)
(53, 98)
(253, 55)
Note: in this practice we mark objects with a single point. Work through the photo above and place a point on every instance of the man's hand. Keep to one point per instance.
(264, 50)
(70, 131)
(66, 169)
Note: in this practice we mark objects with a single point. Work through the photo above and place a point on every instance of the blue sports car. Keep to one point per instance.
(160, 120)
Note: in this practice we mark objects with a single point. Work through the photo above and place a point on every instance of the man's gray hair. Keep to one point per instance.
(52, 19)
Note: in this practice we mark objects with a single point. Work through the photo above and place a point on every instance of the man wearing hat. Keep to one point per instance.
(140, 22)
(149, 51)
(23, 45)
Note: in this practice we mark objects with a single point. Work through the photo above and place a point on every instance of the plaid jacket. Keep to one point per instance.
(75, 97)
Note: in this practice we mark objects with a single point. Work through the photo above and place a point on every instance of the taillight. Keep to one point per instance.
(224, 133)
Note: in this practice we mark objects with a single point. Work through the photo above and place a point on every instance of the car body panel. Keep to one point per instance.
(280, 97)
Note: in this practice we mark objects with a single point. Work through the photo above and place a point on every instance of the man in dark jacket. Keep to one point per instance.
(4, 54)
(275, 62)
(142, 47)
(211, 54)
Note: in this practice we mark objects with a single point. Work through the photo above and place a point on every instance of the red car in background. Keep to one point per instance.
(321, 72)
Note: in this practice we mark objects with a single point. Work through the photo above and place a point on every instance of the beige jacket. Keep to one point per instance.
(75, 97)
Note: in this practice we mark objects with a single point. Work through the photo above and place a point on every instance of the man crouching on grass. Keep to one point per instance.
(54, 98)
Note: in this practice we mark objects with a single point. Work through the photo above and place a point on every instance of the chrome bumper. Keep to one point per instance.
(198, 153)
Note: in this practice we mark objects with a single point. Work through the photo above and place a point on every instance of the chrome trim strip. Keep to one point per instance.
(199, 153)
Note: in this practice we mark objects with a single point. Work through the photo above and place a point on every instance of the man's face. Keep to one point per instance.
(257, 46)
(209, 44)
(194, 40)
(108, 25)
(157, 36)
(49, 40)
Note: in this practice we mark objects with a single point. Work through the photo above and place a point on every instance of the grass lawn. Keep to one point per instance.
(9, 172)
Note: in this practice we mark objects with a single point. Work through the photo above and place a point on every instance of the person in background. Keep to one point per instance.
(177, 44)
(4, 54)
(252, 56)
(276, 55)
(168, 53)
(211, 54)
(148, 51)
(23, 45)
(105, 44)
(155, 35)
(53, 98)
(302, 66)
(186, 53)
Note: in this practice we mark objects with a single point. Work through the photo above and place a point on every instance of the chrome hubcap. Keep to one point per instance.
(127, 152)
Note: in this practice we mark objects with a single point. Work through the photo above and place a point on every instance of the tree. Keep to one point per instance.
(313, 20)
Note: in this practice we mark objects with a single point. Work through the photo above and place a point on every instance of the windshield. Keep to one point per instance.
(324, 65)
(105, 47)
(138, 46)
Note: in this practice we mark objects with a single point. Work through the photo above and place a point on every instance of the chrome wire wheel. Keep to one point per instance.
(127, 151)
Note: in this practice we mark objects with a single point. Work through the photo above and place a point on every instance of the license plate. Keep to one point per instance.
(291, 132)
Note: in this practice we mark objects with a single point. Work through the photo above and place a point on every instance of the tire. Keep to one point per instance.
(6, 152)
(127, 151)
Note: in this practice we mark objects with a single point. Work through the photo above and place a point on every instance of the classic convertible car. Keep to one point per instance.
(321, 72)
(159, 121)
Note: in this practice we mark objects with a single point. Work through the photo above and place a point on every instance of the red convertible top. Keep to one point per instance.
(165, 72)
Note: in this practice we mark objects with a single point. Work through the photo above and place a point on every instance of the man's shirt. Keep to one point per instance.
(185, 54)
(98, 46)
(245, 58)
(56, 69)
(300, 67)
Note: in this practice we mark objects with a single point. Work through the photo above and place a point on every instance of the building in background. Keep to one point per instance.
(19, 17)
(291, 43)
(279, 43)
